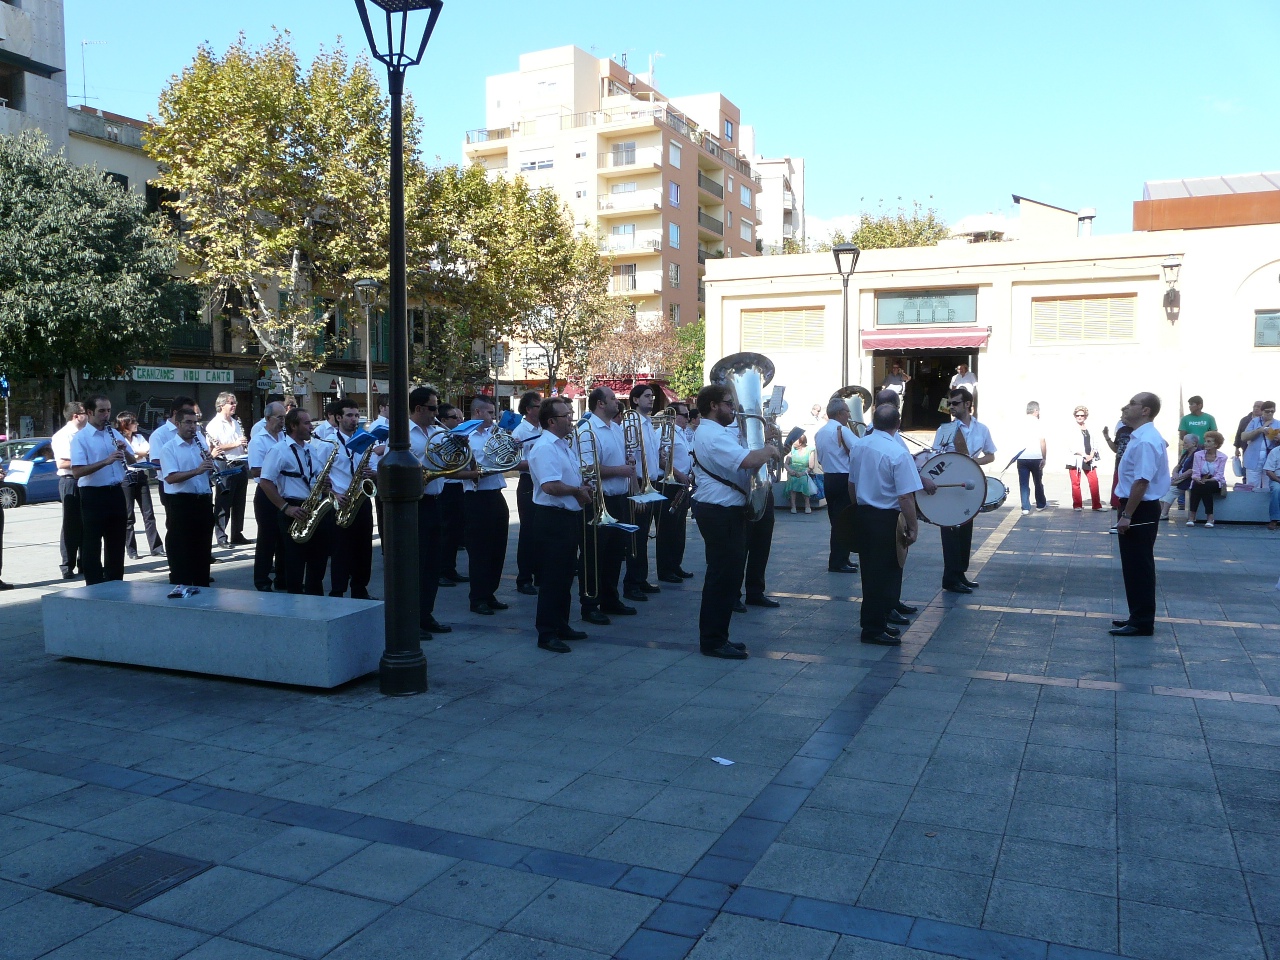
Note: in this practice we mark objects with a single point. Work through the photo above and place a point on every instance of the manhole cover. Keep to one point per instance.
(132, 878)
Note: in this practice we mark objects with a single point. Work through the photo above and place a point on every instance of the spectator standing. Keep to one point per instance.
(1197, 421)
(1117, 445)
(1259, 439)
(896, 380)
(1084, 461)
(68, 491)
(800, 466)
(137, 490)
(1208, 476)
(1238, 442)
(964, 378)
(1031, 459)
(1271, 467)
(1180, 478)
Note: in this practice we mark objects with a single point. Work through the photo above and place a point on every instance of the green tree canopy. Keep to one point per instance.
(85, 276)
(917, 227)
(691, 351)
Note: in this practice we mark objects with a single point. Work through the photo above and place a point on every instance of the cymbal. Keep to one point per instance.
(900, 541)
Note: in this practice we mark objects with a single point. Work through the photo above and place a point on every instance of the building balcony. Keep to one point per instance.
(631, 160)
(192, 338)
(702, 292)
(635, 201)
(710, 224)
(705, 255)
(644, 242)
(788, 199)
(488, 136)
(710, 186)
(636, 284)
(788, 229)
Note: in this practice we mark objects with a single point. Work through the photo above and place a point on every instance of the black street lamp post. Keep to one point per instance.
(846, 255)
(403, 669)
(367, 294)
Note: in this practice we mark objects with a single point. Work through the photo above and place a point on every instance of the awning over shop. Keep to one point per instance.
(935, 338)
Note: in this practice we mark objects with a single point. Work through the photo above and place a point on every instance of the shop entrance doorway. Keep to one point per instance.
(926, 391)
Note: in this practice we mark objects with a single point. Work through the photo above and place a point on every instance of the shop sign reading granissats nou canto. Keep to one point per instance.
(180, 375)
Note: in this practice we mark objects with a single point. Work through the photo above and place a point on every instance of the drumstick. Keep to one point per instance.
(968, 485)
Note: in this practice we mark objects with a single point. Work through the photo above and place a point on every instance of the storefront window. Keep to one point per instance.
(897, 308)
(1266, 329)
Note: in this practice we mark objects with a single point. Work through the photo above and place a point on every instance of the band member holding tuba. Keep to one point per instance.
(184, 471)
(635, 581)
(424, 404)
(291, 470)
(559, 497)
(353, 543)
(603, 552)
(760, 541)
(266, 549)
(963, 435)
(669, 552)
(526, 434)
(882, 484)
(722, 469)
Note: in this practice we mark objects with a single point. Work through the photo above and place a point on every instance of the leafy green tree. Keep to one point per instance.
(690, 356)
(85, 279)
(282, 174)
(917, 227)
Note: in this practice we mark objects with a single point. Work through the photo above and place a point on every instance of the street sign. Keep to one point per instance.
(265, 383)
(4, 386)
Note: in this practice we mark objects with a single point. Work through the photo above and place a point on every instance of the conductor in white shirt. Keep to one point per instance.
(184, 471)
(1142, 478)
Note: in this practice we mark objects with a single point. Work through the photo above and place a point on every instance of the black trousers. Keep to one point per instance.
(228, 507)
(102, 520)
(304, 563)
(188, 520)
(266, 550)
(428, 557)
(527, 549)
(878, 564)
(638, 545)
(759, 543)
(672, 530)
(1204, 493)
(559, 534)
(353, 555)
(957, 544)
(836, 486)
(724, 531)
(602, 554)
(453, 520)
(486, 538)
(1138, 562)
(72, 525)
(139, 493)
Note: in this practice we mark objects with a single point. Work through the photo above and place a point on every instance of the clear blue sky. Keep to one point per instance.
(955, 105)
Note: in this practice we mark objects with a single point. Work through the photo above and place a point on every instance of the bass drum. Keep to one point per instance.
(962, 488)
(997, 494)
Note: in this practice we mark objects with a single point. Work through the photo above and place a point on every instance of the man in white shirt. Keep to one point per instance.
(184, 472)
(1142, 478)
(635, 579)
(883, 480)
(424, 404)
(352, 545)
(976, 442)
(289, 403)
(896, 380)
(1258, 445)
(289, 471)
(559, 497)
(380, 422)
(669, 549)
(722, 467)
(525, 433)
(266, 552)
(72, 535)
(964, 378)
(834, 442)
(488, 517)
(327, 428)
(98, 458)
(1031, 459)
(603, 553)
(230, 447)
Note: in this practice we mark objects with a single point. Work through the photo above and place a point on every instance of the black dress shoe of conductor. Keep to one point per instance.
(483, 609)
(685, 573)
(435, 626)
(568, 634)
(1119, 623)
(739, 607)
(957, 588)
(670, 578)
(971, 584)
(635, 595)
(906, 609)
(498, 605)
(528, 589)
(847, 568)
(895, 617)
(882, 640)
(762, 602)
(1128, 631)
(726, 651)
(596, 617)
(554, 644)
(619, 610)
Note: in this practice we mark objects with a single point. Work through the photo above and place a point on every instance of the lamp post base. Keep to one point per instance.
(402, 674)
(403, 668)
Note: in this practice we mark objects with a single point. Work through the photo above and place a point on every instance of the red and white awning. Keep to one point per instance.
(930, 338)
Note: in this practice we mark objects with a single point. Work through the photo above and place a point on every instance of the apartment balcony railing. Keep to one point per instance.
(702, 292)
(631, 243)
(705, 255)
(485, 136)
(192, 338)
(709, 185)
(636, 283)
(708, 222)
(788, 199)
(632, 201)
(641, 156)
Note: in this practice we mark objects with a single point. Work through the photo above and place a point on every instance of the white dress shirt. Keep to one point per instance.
(418, 441)
(881, 471)
(91, 445)
(141, 446)
(613, 453)
(834, 442)
(1032, 433)
(525, 432)
(1145, 458)
(261, 445)
(718, 449)
(257, 429)
(680, 457)
(341, 476)
(220, 430)
(976, 435)
(553, 458)
(477, 439)
(293, 467)
(651, 452)
(162, 434)
(179, 456)
(323, 430)
(61, 443)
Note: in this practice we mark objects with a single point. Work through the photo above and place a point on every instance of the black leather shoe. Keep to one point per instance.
(241, 541)
(5, 586)
(68, 574)
(483, 609)
(762, 602)
(1119, 623)
(648, 587)
(740, 646)
(131, 554)
(446, 582)
(596, 617)
(726, 651)
(636, 595)
(435, 626)
(499, 605)
(895, 617)
(159, 552)
(621, 610)
(363, 595)
(957, 588)
(528, 589)
(739, 607)
(847, 568)
(267, 589)
(554, 644)
(1128, 631)
(906, 609)
(670, 578)
(568, 634)
(224, 544)
(971, 584)
(459, 578)
(685, 573)
(882, 640)
(893, 632)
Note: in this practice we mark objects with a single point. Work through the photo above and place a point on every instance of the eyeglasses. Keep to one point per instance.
(956, 403)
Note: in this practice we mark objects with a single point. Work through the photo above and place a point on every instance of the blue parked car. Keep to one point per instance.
(32, 475)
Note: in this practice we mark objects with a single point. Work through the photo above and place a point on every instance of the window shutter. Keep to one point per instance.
(1084, 319)
(783, 330)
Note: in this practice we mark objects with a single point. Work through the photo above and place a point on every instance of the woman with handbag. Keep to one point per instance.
(1180, 476)
(1208, 477)
(800, 467)
(1084, 461)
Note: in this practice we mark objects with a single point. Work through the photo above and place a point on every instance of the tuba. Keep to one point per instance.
(318, 503)
(859, 400)
(362, 488)
(748, 374)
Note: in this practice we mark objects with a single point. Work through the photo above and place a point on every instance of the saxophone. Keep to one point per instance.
(362, 488)
(318, 503)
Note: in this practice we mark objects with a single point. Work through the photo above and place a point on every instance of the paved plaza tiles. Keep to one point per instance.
(1011, 782)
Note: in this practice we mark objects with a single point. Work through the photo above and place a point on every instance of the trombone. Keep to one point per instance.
(587, 447)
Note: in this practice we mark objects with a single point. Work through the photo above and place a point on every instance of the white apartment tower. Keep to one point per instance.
(33, 78)
(662, 183)
(781, 200)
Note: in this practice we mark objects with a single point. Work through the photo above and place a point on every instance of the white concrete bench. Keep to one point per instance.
(275, 637)
(1240, 506)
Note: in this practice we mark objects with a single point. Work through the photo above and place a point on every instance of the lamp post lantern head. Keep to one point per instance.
(846, 255)
(367, 292)
(1170, 267)
(394, 46)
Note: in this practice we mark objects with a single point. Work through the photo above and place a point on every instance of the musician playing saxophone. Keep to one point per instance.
(963, 435)
(424, 404)
(289, 471)
(669, 551)
(722, 468)
(352, 545)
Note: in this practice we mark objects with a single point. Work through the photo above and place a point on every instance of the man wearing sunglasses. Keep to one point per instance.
(1142, 478)
(957, 542)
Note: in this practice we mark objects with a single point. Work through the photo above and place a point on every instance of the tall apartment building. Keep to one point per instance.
(662, 183)
(33, 78)
(781, 200)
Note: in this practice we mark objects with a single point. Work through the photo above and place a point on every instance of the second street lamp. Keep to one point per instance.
(403, 668)
(846, 255)
(367, 294)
